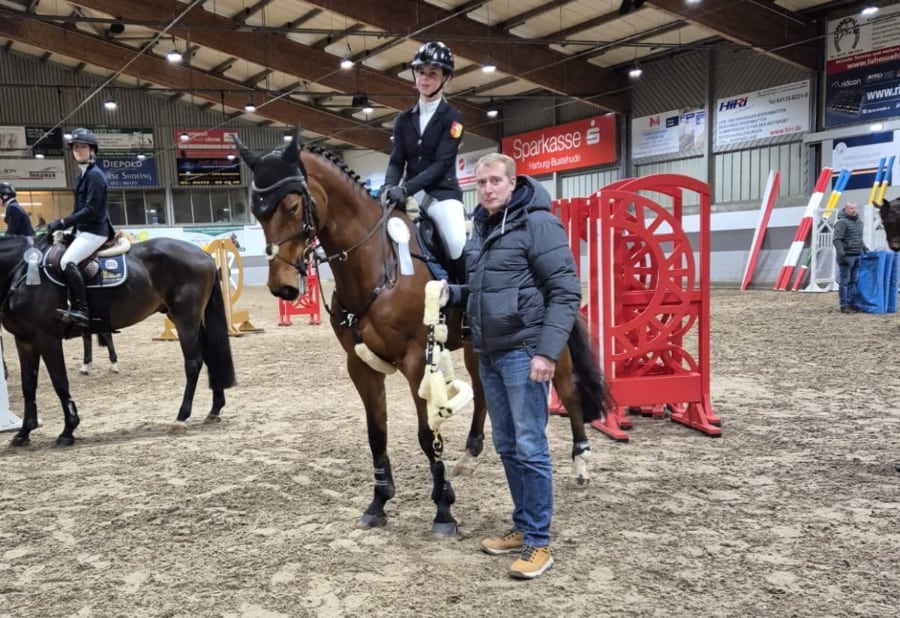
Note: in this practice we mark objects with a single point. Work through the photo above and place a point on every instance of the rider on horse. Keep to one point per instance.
(90, 218)
(423, 155)
(17, 221)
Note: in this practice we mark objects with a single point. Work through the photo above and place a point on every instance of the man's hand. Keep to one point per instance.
(843, 261)
(542, 369)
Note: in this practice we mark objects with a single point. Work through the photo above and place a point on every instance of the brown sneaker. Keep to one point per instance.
(533, 562)
(506, 544)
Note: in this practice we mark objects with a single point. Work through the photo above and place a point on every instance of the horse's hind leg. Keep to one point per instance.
(564, 384)
(52, 354)
(88, 354)
(111, 349)
(189, 339)
(29, 363)
(370, 386)
(466, 464)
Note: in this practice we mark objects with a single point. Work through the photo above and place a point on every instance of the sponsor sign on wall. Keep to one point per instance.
(861, 155)
(124, 140)
(574, 145)
(128, 172)
(27, 141)
(465, 165)
(862, 69)
(773, 112)
(203, 157)
(33, 173)
(670, 133)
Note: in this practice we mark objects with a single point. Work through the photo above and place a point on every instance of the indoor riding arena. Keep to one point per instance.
(791, 512)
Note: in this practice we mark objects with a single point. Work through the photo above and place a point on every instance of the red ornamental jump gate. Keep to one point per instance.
(648, 298)
(306, 304)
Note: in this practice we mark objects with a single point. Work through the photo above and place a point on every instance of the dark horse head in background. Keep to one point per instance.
(306, 195)
(164, 275)
(890, 219)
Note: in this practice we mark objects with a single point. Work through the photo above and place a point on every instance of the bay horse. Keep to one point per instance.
(303, 197)
(163, 275)
(890, 219)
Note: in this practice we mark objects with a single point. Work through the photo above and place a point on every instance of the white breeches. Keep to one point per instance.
(82, 246)
(450, 218)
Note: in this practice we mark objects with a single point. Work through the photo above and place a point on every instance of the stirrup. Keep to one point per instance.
(71, 316)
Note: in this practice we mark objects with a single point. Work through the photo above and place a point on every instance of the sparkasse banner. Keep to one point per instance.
(773, 112)
(574, 145)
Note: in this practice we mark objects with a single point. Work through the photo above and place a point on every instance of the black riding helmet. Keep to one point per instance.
(436, 54)
(7, 191)
(84, 136)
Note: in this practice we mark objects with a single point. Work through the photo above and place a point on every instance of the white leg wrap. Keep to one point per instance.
(375, 362)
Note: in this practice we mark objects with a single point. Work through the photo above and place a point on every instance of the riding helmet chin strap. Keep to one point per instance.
(439, 88)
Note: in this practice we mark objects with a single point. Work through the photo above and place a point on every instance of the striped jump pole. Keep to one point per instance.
(879, 176)
(839, 185)
(885, 180)
(793, 255)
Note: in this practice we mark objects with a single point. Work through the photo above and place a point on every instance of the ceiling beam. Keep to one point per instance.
(109, 55)
(517, 20)
(555, 71)
(762, 24)
(279, 53)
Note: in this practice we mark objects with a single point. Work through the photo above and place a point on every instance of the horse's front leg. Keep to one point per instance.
(370, 386)
(88, 356)
(111, 349)
(466, 465)
(52, 353)
(29, 363)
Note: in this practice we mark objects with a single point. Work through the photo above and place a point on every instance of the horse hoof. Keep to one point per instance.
(65, 441)
(445, 530)
(212, 419)
(372, 521)
(114, 368)
(465, 466)
(18, 441)
(85, 369)
(178, 427)
(579, 482)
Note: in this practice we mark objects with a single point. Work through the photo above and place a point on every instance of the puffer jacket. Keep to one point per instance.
(848, 235)
(523, 289)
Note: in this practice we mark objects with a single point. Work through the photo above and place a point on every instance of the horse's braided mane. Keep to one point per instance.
(338, 162)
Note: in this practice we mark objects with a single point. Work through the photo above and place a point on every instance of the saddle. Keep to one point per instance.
(106, 267)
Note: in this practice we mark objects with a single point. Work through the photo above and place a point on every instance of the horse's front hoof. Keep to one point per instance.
(114, 368)
(178, 427)
(212, 419)
(368, 520)
(465, 466)
(65, 441)
(444, 530)
(85, 370)
(20, 441)
(579, 482)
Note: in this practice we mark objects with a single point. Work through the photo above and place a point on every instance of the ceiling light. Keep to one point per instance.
(346, 63)
(174, 56)
(693, 1)
(184, 137)
(488, 67)
(110, 104)
(249, 107)
(67, 137)
(869, 10)
(492, 111)
(635, 71)
(288, 138)
(875, 127)
(141, 157)
(230, 156)
(39, 155)
(362, 101)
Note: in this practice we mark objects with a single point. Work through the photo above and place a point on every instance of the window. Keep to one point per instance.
(210, 206)
(136, 208)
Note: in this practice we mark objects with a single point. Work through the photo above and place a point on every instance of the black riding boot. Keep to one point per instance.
(77, 312)
(458, 270)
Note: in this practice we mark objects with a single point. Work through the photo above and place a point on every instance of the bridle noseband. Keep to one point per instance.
(266, 198)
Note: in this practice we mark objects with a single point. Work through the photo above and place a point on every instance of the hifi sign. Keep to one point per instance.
(764, 114)
(574, 145)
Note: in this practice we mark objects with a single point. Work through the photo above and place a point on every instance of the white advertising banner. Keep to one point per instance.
(33, 173)
(774, 112)
(673, 132)
(123, 139)
(465, 165)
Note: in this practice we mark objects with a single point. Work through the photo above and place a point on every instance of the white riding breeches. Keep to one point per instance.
(81, 248)
(450, 218)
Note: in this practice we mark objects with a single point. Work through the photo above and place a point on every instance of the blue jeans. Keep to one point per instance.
(518, 410)
(847, 277)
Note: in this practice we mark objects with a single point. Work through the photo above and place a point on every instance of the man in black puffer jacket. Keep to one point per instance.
(848, 247)
(523, 296)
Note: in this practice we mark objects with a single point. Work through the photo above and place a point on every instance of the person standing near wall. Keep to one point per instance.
(848, 248)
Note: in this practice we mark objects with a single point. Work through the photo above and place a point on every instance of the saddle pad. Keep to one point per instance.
(113, 271)
(436, 268)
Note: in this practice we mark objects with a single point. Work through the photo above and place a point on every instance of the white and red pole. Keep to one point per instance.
(806, 223)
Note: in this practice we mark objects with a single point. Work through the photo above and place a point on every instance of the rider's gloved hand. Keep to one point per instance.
(56, 225)
(395, 196)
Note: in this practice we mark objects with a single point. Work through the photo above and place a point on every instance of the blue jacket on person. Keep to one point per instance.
(427, 161)
(91, 212)
(523, 289)
(17, 221)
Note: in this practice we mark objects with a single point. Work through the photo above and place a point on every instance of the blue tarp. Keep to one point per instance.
(876, 288)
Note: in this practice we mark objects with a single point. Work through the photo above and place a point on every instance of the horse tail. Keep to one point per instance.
(214, 341)
(589, 379)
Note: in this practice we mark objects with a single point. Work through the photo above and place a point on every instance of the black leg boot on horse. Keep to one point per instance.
(77, 313)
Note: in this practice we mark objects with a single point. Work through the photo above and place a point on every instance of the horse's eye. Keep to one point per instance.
(293, 210)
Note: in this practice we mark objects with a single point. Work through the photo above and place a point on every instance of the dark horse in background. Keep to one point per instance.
(300, 197)
(104, 340)
(164, 275)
